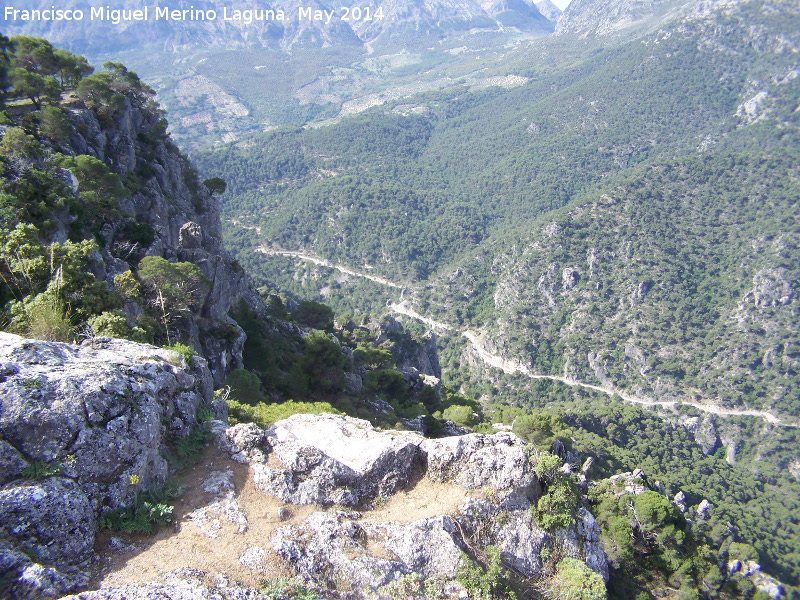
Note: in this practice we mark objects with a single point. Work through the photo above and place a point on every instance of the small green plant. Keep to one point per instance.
(183, 350)
(487, 581)
(283, 587)
(39, 469)
(205, 414)
(187, 448)
(149, 509)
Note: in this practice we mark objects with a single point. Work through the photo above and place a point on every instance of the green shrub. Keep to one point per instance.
(187, 449)
(46, 318)
(264, 414)
(53, 125)
(127, 286)
(541, 429)
(114, 324)
(313, 314)
(320, 368)
(245, 387)
(185, 351)
(575, 581)
(488, 581)
(557, 505)
(388, 383)
(460, 415)
(373, 358)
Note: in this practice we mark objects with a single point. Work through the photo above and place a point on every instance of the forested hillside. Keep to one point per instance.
(644, 199)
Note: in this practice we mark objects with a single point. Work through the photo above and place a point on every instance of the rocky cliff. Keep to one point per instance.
(142, 199)
(84, 430)
(386, 509)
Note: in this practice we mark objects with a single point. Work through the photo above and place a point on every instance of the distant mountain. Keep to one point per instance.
(290, 61)
(612, 17)
(549, 10)
(400, 23)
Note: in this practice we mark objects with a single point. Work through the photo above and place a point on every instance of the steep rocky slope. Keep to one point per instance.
(115, 176)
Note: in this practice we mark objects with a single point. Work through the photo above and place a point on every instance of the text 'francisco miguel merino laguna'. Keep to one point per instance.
(164, 13)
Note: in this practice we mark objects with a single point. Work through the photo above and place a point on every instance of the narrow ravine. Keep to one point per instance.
(515, 367)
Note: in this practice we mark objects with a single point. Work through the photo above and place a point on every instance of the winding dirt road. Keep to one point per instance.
(514, 367)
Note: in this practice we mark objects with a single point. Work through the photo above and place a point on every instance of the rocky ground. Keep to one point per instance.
(339, 506)
(327, 500)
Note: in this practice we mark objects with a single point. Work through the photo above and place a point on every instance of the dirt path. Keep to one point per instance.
(330, 265)
(513, 367)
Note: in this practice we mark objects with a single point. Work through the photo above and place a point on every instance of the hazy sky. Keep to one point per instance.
(562, 4)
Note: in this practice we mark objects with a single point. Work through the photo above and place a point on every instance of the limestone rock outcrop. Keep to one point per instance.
(176, 218)
(331, 459)
(77, 422)
(475, 461)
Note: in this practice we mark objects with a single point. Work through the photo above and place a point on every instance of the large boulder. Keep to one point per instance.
(330, 459)
(76, 422)
(495, 463)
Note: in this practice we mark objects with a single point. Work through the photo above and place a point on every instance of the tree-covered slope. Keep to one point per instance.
(631, 220)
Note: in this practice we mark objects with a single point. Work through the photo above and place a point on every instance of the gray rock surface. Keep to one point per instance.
(182, 584)
(50, 519)
(330, 459)
(476, 461)
(11, 463)
(516, 533)
(430, 546)
(521, 540)
(88, 418)
(334, 548)
(330, 549)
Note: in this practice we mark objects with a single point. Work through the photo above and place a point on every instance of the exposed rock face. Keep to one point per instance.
(331, 548)
(335, 460)
(87, 419)
(475, 461)
(408, 353)
(182, 215)
(327, 459)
